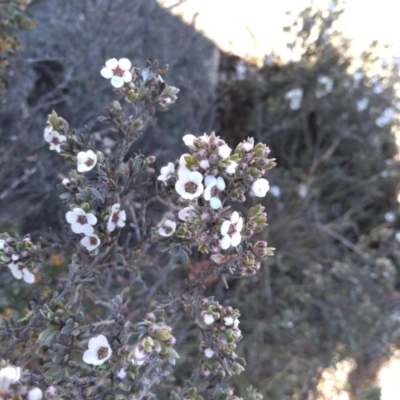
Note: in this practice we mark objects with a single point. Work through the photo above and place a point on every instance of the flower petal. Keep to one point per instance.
(127, 76)
(215, 203)
(106, 73)
(112, 63)
(92, 220)
(117, 82)
(124, 64)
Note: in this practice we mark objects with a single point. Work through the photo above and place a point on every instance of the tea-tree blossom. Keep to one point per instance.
(213, 187)
(168, 228)
(189, 185)
(99, 351)
(230, 231)
(166, 172)
(21, 271)
(275, 191)
(224, 151)
(208, 319)
(91, 242)
(54, 138)
(231, 168)
(362, 104)
(35, 394)
(248, 145)
(121, 374)
(117, 71)
(117, 218)
(295, 96)
(8, 376)
(186, 213)
(189, 139)
(386, 117)
(86, 160)
(325, 86)
(81, 222)
(209, 353)
(140, 355)
(260, 187)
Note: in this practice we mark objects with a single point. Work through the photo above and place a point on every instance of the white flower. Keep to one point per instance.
(48, 128)
(35, 394)
(20, 271)
(224, 151)
(117, 218)
(390, 216)
(295, 96)
(66, 181)
(167, 228)
(91, 242)
(213, 187)
(15, 257)
(249, 145)
(325, 86)
(208, 319)
(140, 355)
(358, 75)
(117, 71)
(209, 352)
(183, 169)
(230, 231)
(231, 168)
(2, 244)
(189, 140)
(228, 321)
(205, 138)
(275, 191)
(54, 139)
(186, 214)
(86, 160)
(166, 172)
(81, 222)
(260, 187)
(302, 190)
(189, 185)
(121, 374)
(99, 351)
(362, 104)
(8, 376)
(386, 117)
(204, 164)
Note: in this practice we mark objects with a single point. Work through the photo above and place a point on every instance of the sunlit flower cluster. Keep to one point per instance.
(19, 256)
(155, 341)
(206, 181)
(84, 222)
(54, 138)
(224, 324)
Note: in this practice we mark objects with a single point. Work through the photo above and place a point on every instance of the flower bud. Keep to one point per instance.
(149, 160)
(51, 392)
(150, 317)
(153, 329)
(213, 159)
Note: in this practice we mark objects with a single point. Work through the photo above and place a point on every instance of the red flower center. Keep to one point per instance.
(82, 219)
(190, 187)
(115, 217)
(118, 71)
(102, 352)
